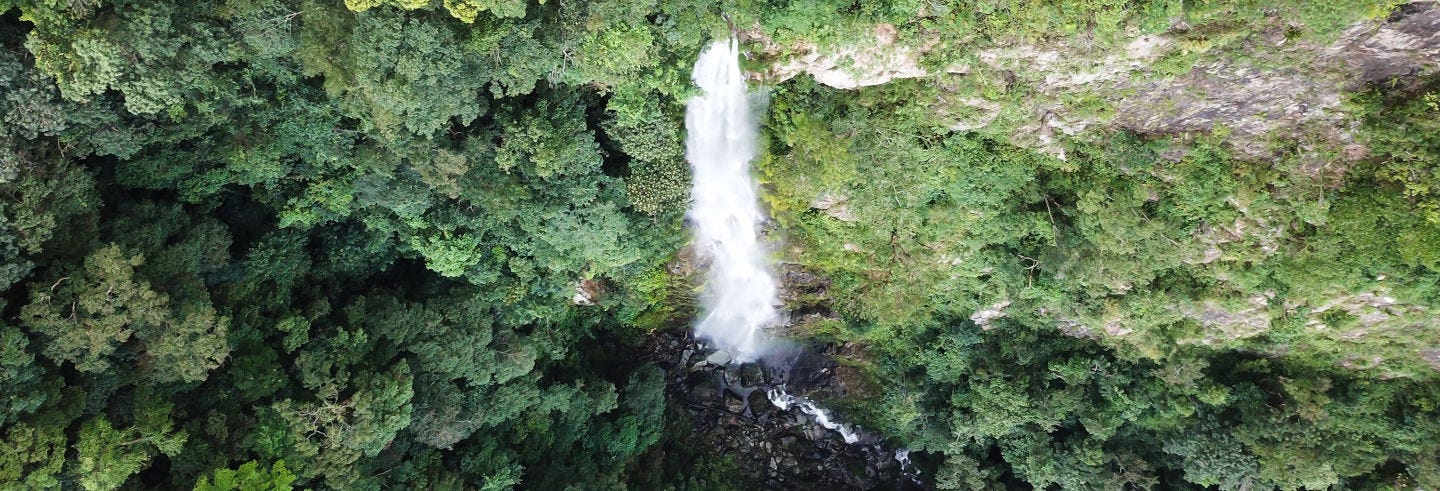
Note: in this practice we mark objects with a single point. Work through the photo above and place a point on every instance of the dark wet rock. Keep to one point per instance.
(688, 262)
(730, 412)
(731, 376)
(800, 279)
(804, 292)
(810, 371)
(751, 375)
(759, 404)
(734, 402)
(703, 394)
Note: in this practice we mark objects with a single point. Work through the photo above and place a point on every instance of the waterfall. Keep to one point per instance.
(739, 298)
(740, 295)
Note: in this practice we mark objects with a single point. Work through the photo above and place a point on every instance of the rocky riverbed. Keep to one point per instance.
(782, 448)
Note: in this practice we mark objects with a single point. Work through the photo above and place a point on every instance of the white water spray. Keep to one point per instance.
(902, 455)
(783, 401)
(740, 293)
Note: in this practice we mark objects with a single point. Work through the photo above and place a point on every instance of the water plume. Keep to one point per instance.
(740, 294)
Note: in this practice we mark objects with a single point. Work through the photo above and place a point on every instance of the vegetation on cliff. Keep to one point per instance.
(264, 244)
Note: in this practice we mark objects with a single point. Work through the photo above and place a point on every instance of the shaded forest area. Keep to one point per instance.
(263, 244)
(285, 241)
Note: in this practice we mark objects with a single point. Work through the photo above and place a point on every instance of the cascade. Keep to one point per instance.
(740, 294)
(785, 401)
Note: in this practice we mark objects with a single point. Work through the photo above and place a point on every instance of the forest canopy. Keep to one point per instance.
(278, 244)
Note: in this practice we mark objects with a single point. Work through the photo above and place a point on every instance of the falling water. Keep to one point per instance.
(740, 294)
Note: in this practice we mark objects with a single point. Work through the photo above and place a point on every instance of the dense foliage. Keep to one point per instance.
(1147, 311)
(277, 243)
(264, 244)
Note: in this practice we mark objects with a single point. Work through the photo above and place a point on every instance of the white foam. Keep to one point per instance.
(740, 295)
(785, 401)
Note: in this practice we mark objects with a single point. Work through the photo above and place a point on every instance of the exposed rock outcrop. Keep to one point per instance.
(1369, 322)
(983, 318)
(1222, 324)
(872, 61)
(834, 205)
(1405, 45)
(587, 292)
(1287, 91)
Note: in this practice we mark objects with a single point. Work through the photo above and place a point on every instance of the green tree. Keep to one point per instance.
(33, 455)
(105, 457)
(21, 374)
(89, 315)
(249, 477)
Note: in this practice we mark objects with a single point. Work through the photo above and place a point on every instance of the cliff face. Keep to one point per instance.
(1262, 92)
(1290, 92)
(1269, 89)
(1405, 45)
(1093, 245)
(872, 61)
